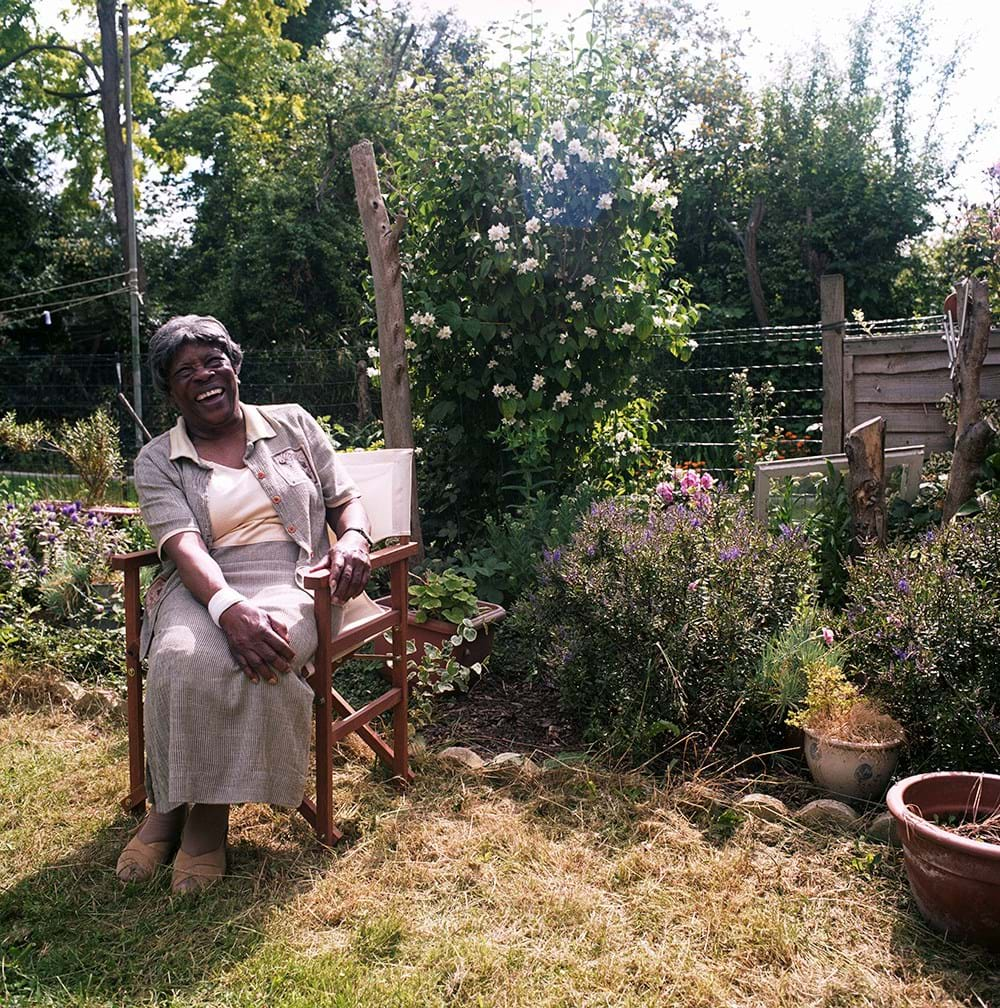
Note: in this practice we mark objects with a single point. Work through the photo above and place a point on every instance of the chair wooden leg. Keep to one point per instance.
(400, 676)
(323, 824)
(135, 801)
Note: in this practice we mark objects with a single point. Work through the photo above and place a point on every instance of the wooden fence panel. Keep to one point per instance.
(903, 378)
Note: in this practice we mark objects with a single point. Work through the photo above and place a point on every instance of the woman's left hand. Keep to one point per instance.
(349, 567)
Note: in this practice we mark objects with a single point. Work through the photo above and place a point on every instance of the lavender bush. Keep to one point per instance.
(653, 620)
(922, 630)
(53, 560)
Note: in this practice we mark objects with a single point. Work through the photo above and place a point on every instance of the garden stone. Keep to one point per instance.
(463, 756)
(883, 829)
(69, 692)
(512, 761)
(825, 813)
(763, 806)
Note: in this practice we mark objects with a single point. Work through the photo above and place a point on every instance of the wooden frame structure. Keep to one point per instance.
(766, 473)
(335, 718)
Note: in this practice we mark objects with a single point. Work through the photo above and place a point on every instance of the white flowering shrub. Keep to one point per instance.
(537, 264)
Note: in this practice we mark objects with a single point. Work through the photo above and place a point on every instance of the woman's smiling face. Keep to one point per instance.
(203, 386)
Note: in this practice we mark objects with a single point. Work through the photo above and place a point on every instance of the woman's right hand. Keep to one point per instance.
(258, 641)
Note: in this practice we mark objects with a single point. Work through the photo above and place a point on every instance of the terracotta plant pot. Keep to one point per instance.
(436, 632)
(858, 770)
(955, 880)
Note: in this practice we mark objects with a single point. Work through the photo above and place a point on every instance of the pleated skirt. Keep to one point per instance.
(212, 735)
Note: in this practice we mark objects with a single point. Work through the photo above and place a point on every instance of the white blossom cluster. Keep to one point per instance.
(422, 320)
(506, 392)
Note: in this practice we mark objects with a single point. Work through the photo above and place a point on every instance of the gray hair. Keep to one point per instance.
(181, 329)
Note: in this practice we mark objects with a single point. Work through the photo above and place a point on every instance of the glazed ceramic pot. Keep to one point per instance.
(860, 770)
(955, 880)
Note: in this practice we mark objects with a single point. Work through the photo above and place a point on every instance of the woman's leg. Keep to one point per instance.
(162, 826)
(205, 829)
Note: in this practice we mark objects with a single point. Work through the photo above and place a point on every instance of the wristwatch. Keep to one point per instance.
(364, 535)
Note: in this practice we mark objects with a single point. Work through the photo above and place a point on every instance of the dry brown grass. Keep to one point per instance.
(579, 888)
(863, 723)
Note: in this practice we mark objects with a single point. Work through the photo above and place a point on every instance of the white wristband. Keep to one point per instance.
(221, 601)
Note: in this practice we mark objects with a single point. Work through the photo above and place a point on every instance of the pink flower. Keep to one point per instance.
(827, 635)
(693, 586)
(690, 480)
(707, 482)
(665, 492)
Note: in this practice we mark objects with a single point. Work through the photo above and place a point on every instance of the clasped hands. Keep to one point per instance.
(260, 642)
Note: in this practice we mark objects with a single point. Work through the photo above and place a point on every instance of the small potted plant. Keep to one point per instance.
(781, 675)
(851, 746)
(443, 606)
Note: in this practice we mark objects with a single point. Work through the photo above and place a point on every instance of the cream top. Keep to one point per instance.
(240, 510)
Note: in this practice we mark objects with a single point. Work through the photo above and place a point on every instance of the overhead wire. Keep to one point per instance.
(18, 314)
(49, 290)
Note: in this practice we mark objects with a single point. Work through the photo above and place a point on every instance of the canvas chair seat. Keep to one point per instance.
(385, 479)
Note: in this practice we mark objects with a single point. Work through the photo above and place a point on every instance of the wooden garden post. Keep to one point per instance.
(364, 391)
(831, 301)
(865, 450)
(383, 251)
(973, 434)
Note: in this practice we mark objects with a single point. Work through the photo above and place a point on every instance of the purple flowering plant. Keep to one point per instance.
(687, 488)
(921, 627)
(51, 556)
(651, 620)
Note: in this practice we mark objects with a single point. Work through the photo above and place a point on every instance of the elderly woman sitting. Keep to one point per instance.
(239, 499)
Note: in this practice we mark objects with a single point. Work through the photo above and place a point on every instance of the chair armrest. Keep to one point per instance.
(133, 561)
(380, 558)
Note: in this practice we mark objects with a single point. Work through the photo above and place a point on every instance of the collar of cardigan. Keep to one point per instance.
(257, 426)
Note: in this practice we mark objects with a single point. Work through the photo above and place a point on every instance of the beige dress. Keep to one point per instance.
(211, 734)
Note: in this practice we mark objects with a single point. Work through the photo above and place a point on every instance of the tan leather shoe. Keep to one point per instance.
(139, 861)
(195, 872)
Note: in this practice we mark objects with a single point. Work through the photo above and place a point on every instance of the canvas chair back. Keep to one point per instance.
(385, 478)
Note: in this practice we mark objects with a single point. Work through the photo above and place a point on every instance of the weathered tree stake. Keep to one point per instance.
(383, 251)
(974, 434)
(865, 450)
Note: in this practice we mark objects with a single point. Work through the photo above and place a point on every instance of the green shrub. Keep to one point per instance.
(85, 654)
(504, 564)
(91, 445)
(923, 629)
(653, 622)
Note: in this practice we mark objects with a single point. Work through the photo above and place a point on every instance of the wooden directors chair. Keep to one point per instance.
(385, 479)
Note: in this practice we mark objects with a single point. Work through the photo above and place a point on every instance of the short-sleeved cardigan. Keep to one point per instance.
(286, 450)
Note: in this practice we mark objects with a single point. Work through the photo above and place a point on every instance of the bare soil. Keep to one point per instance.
(500, 715)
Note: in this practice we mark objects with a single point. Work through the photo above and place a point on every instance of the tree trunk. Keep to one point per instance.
(114, 139)
(383, 251)
(747, 241)
(865, 450)
(973, 435)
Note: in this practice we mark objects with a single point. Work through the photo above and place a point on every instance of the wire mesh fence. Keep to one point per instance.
(57, 387)
(696, 405)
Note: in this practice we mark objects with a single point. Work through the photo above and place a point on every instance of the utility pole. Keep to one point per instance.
(133, 257)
